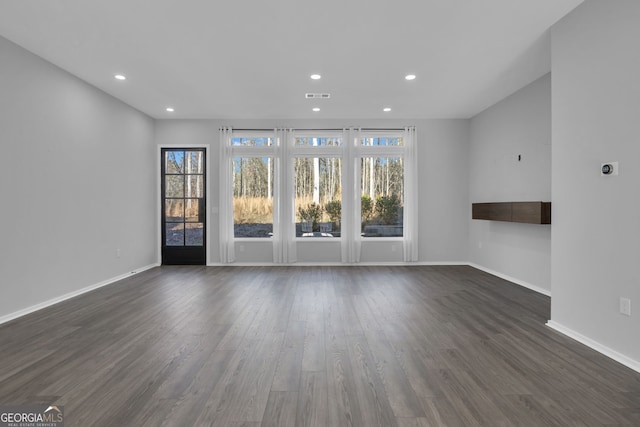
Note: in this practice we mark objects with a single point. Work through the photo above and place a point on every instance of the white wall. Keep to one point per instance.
(190, 133)
(443, 176)
(443, 191)
(596, 230)
(75, 178)
(518, 125)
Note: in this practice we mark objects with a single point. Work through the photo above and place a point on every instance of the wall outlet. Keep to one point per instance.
(625, 306)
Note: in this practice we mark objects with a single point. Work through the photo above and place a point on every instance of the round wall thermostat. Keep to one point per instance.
(607, 169)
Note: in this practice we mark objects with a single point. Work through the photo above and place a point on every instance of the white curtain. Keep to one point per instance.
(227, 247)
(346, 224)
(352, 240)
(284, 233)
(410, 228)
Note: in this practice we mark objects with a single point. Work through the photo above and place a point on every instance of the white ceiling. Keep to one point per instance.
(252, 58)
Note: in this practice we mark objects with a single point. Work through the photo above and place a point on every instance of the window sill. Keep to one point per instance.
(317, 239)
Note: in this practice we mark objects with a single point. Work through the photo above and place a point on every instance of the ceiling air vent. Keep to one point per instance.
(317, 95)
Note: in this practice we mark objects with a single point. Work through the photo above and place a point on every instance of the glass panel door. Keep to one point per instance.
(183, 206)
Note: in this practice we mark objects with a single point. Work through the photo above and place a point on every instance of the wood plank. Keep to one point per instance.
(531, 212)
(343, 406)
(352, 346)
(491, 211)
(312, 400)
(281, 409)
(372, 398)
(523, 212)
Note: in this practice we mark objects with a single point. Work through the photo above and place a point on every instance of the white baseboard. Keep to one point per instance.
(437, 263)
(618, 357)
(331, 264)
(40, 306)
(512, 279)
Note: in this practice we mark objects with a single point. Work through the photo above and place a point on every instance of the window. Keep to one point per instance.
(317, 196)
(252, 180)
(184, 198)
(294, 186)
(314, 141)
(317, 176)
(253, 196)
(252, 141)
(382, 196)
(382, 192)
(384, 141)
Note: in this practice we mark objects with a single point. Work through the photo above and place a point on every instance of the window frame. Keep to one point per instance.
(319, 151)
(249, 151)
(373, 151)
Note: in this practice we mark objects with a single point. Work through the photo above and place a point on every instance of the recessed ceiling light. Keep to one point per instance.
(120, 77)
(316, 76)
(410, 76)
(170, 109)
(316, 109)
(386, 109)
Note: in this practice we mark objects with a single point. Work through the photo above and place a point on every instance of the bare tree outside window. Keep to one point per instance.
(318, 194)
(382, 196)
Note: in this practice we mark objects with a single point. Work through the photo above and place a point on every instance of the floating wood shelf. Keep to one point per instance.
(525, 212)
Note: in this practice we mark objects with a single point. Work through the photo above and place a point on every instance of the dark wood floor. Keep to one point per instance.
(324, 346)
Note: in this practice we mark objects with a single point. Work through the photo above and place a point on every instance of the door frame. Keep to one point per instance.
(159, 206)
